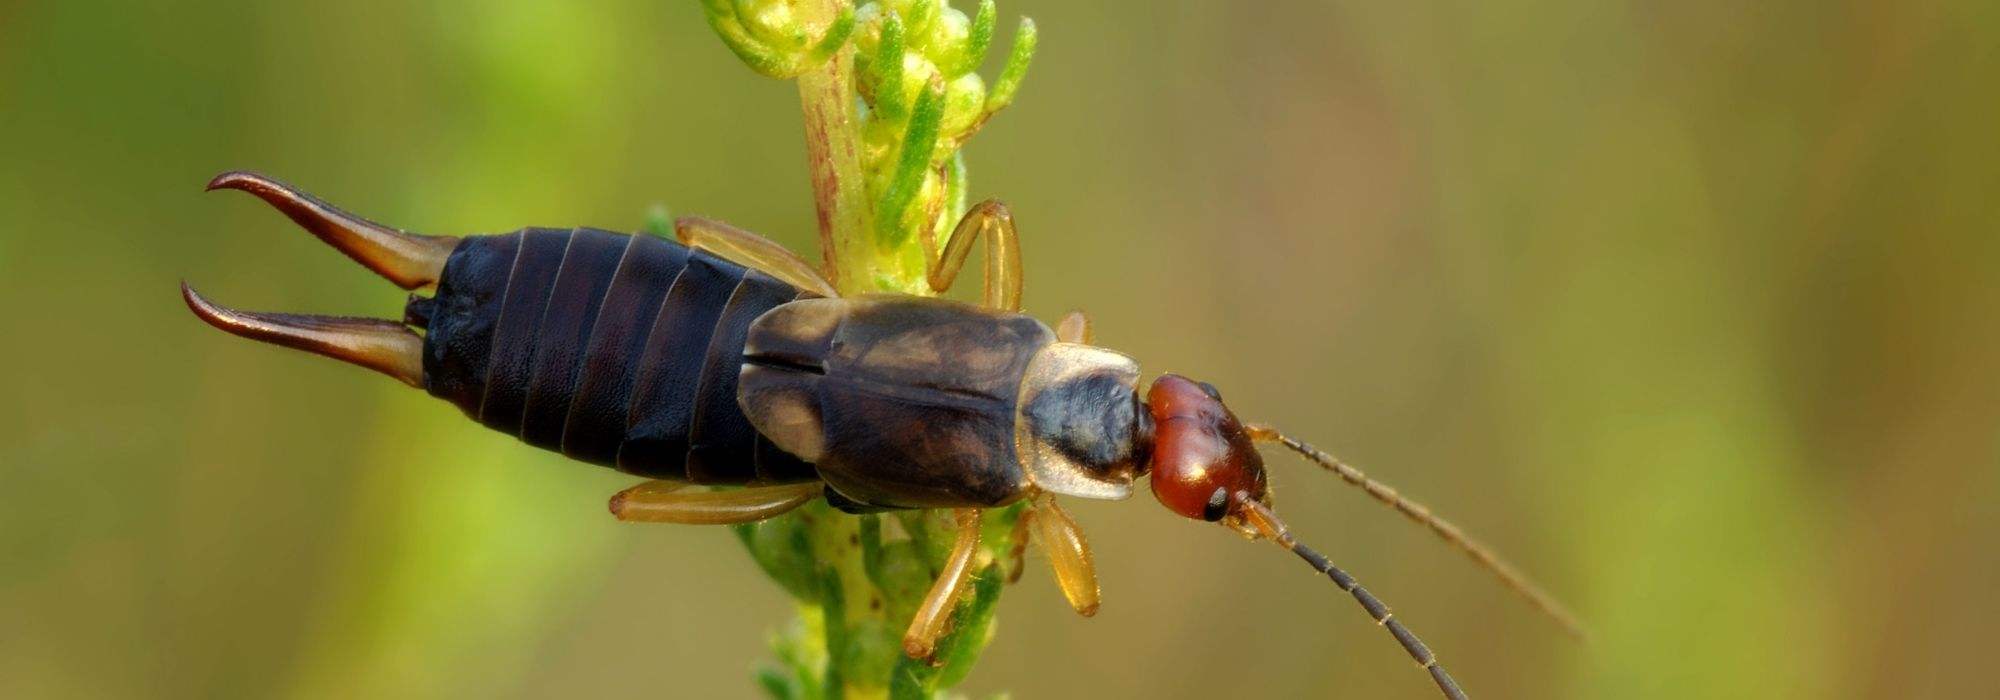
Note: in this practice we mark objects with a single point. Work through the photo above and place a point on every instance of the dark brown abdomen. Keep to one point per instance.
(613, 349)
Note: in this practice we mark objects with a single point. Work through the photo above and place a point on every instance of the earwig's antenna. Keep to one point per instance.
(1267, 524)
(1422, 516)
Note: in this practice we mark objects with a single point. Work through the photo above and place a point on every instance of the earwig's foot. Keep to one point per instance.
(1069, 554)
(1074, 328)
(1017, 557)
(752, 251)
(1002, 288)
(920, 641)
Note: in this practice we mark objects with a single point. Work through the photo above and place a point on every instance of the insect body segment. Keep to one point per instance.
(726, 360)
(899, 401)
(613, 349)
(1201, 452)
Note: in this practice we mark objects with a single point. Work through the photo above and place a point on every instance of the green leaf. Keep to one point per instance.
(785, 35)
(781, 548)
(957, 189)
(887, 69)
(801, 649)
(892, 215)
(722, 18)
(919, 15)
(777, 684)
(1018, 59)
(978, 40)
(911, 681)
(925, 530)
(871, 547)
(959, 649)
(834, 603)
(874, 646)
(904, 579)
(911, 100)
(776, 44)
(972, 627)
(836, 35)
(659, 221)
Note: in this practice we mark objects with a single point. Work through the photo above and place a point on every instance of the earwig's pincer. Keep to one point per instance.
(728, 361)
(383, 346)
(407, 259)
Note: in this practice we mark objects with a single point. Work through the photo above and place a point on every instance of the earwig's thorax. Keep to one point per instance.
(1079, 420)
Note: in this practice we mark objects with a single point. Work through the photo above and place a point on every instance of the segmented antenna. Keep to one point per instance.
(1421, 515)
(1268, 525)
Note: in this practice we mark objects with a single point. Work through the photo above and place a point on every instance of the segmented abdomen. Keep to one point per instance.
(614, 349)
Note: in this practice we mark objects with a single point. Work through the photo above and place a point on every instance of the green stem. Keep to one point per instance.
(884, 171)
(833, 151)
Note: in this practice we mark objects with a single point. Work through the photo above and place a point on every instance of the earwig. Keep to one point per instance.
(722, 359)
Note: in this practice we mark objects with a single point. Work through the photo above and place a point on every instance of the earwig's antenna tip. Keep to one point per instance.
(1259, 518)
(1422, 515)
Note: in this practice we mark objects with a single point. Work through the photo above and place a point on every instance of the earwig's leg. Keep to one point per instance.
(928, 625)
(1068, 552)
(670, 502)
(1003, 255)
(1074, 328)
(1017, 555)
(751, 250)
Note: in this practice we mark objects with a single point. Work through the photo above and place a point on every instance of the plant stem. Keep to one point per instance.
(833, 151)
(881, 190)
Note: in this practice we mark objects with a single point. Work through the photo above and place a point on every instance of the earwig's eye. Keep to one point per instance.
(1210, 389)
(1218, 505)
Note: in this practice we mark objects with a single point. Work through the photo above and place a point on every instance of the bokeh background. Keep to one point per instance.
(1688, 307)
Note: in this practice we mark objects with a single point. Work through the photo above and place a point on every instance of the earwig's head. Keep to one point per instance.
(1201, 453)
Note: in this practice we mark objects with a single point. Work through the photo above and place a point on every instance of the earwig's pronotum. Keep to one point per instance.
(728, 360)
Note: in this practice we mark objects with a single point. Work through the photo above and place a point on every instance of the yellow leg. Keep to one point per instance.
(928, 625)
(1069, 554)
(1018, 554)
(1074, 328)
(751, 250)
(1003, 255)
(671, 502)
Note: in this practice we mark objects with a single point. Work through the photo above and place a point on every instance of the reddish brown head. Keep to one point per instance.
(1201, 453)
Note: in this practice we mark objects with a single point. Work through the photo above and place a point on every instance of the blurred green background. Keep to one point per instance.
(1690, 308)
